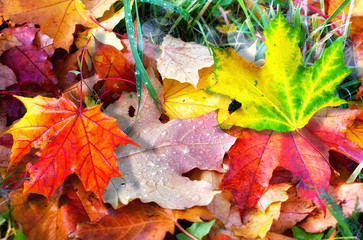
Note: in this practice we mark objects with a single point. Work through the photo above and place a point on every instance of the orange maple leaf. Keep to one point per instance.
(70, 141)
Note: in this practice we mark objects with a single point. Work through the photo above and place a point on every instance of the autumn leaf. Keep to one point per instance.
(69, 141)
(255, 155)
(137, 221)
(29, 62)
(294, 210)
(7, 77)
(181, 61)
(283, 94)
(183, 101)
(111, 63)
(154, 171)
(41, 219)
(258, 223)
(57, 18)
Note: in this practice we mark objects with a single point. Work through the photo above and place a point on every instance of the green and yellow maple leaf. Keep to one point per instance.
(283, 94)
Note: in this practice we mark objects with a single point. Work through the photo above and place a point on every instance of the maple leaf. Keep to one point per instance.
(181, 61)
(57, 18)
(29, 62)
(138, 221)
(252, 162)
(70, 141)
(154, 171)
(183, 101)
(283, 94)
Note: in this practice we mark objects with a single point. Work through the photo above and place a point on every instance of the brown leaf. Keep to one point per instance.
(136, 221)
(74, 91)
(41, 219)
(62, 68)
(318, 222)
(293, 211)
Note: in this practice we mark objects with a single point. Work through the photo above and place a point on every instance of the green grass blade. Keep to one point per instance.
(355, 173)
(168, 5)
(140, 70)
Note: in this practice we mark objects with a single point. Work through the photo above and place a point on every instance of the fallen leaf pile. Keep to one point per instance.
(250, 147)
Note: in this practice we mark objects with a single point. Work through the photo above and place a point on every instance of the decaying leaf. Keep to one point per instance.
(70, 141)
(136, 221)
(294, 210)
(154, 171)
(181, 61)
(283, 94)
(41, 219)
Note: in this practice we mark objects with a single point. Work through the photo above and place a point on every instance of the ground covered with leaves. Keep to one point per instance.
(151, 119)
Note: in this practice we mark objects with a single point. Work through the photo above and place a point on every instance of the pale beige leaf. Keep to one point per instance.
(275, 193)
(98, 7)
(7, 41)
(153, 172)
(181, 60)
(7, 77)
(293, 211)
(347, 195)
(318, 222)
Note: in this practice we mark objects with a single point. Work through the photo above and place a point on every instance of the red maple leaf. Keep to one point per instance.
(70, 141)
(255, 155)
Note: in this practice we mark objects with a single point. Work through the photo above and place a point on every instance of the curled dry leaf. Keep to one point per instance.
(154, 171)
(294, 210)
(318, 222)
(181, 61)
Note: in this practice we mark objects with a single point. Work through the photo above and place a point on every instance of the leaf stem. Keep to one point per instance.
(184, 231)
(321, 154)
(81, 73)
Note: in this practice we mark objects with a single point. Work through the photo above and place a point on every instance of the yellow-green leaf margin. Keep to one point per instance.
(283, 94)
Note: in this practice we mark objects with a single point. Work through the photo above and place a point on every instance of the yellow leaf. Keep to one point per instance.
(259, 223)
(183, 101)
(57, 18)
